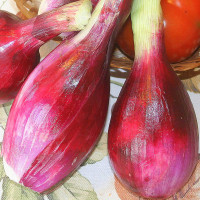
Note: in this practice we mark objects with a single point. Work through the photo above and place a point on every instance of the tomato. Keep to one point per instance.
(125, 39)
(181, 30)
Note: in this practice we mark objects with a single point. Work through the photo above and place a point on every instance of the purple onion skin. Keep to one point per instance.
(58, 115)
(19, 45)
(153, 134)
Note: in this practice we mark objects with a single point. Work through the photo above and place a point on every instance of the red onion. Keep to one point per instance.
(20, 41)
(153, 135)
(58, 115)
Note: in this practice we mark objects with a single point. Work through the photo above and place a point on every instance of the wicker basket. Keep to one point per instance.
(29, 9)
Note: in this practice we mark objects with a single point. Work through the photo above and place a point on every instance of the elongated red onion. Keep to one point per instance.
(153, 135)
(58, 115)
(20, 41)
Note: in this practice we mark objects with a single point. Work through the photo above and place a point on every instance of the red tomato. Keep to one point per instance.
(181, 30)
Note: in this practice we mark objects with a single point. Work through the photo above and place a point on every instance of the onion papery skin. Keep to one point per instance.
(153, 134)
(59, 113)
(20, 42)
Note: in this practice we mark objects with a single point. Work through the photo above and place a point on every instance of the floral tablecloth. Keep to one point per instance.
(94, 180)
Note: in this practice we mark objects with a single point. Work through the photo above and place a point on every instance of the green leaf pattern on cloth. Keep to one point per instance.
(4, 111)
(7, 107)
(100, 151)
(76, 188)
(2, 172)
(14, 191)
(3, 117)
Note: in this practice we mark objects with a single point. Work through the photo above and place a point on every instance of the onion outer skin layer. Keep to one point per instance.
(153, 133)
(58, 115)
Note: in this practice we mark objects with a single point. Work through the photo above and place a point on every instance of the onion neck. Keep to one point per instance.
(147, 27)
(93, 20)
(103, 24)
(70, 17)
